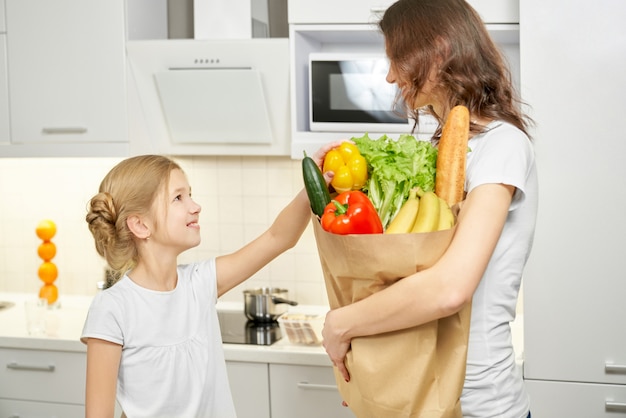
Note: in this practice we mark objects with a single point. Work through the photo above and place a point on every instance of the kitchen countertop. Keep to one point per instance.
(65, 323)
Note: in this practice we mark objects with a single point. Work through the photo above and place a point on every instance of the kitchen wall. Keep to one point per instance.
(240, 196)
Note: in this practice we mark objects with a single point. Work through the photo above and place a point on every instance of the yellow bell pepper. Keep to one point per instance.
(349, 166)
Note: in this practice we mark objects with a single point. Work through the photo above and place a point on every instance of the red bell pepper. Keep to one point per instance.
(351, 212)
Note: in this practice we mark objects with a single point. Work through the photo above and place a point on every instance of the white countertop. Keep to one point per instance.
(65, 324)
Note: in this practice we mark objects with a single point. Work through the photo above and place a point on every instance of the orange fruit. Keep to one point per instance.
(48, 272)
(49, 292)
(46, 229)
(47, 250)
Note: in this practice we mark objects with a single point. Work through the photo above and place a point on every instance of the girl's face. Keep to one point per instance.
(178, 215)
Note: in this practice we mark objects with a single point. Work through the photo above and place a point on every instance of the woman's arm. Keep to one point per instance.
(283, 234)
(434, 293)
(103, 361)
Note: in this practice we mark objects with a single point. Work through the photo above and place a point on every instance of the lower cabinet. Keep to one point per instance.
(249, 384)
(51, 384)
(42, 383)
(305, 392)
(262, 390)
(31, 409)
(550, 399)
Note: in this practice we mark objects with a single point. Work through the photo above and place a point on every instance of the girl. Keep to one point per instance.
(153, 338)
(441, 56)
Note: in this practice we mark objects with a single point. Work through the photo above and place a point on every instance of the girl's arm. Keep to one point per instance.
(283, 234)
(430, 294)
(103, 361)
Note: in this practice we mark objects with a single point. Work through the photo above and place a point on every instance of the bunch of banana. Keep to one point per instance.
(422, 212)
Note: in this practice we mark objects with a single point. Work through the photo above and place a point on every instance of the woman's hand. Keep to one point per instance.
(335, 344)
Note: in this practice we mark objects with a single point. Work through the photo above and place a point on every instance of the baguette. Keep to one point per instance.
(452, 155)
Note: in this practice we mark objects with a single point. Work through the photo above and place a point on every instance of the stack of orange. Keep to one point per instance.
(48, 272)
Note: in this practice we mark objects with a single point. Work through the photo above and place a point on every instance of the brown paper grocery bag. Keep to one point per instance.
(416, 372)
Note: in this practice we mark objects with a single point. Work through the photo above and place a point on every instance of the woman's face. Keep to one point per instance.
(424, 97)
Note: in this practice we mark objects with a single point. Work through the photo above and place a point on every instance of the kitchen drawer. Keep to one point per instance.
(41, 375)
(30, 409)
(549, 399)
(305, 392)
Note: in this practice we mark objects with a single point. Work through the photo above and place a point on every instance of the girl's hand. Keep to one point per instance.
(335, 345)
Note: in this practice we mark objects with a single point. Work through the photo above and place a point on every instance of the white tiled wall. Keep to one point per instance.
(240, 196)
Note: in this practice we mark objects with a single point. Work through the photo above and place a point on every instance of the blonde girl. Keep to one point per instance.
(153, 339)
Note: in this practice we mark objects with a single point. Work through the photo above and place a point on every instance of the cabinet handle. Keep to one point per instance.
(611, 406)
(64, 130)
(316, 386)
(17, 366)
(378, 9)
(615, 368)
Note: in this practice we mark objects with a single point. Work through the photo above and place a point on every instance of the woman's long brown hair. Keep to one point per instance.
(471, 69)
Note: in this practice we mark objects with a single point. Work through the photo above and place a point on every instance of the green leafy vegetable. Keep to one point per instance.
(395, 167)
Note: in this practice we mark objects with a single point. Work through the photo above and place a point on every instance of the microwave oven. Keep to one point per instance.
(350, 93)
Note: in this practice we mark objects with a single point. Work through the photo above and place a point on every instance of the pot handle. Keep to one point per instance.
(276, 299)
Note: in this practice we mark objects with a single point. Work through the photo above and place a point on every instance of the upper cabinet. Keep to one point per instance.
(370, 11)
(4, 87)
(66, 68)
(334, 12)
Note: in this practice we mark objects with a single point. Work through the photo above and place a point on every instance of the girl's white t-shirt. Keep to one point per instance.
(493, 383)
(172, 361)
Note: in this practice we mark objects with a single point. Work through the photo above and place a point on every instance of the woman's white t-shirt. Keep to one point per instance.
(493, 384)
(172, 361)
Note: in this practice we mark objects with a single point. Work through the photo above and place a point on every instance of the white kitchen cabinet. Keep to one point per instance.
(3, 26)
(38, 381)
(67, 74)
(305, 392)
(4, 92)
(574, 286)
(334, 12)
(370, 11)
(249, 384)
(570, 399)
(29, 409)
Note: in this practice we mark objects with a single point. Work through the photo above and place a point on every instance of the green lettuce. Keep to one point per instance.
(395, 167)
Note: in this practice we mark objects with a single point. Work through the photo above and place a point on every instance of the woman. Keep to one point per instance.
(441, 56)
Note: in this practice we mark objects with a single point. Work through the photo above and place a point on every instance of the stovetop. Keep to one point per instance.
(237, 329)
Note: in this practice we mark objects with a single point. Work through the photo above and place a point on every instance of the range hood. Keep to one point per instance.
(210, 97)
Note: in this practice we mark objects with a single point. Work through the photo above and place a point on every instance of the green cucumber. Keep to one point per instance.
(315, 185)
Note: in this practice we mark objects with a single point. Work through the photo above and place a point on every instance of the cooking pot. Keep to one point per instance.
(266, 304)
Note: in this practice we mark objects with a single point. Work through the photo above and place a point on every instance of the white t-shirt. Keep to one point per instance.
(493, 383)
(172, 361)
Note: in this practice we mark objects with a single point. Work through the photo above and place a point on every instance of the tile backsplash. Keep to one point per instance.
(240, 196)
